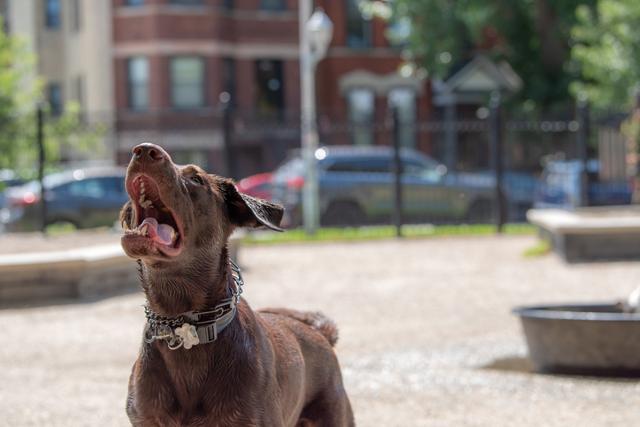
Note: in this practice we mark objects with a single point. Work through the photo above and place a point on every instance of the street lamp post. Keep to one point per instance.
(315, 34)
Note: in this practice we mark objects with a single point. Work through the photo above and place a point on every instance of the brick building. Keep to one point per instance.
(154, 70)
(173, 58)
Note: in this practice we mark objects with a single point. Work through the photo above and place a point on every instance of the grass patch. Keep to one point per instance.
(382, 232)
(542, 248)
(60, 228)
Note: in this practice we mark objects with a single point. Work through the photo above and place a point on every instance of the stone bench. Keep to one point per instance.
(76, 273)
(591, 234)
(81, 273)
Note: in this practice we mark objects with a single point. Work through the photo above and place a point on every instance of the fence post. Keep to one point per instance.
(451, 133)
(397, 173)
(227, 135)
(582, 143)
(496, 124)
(41, 162)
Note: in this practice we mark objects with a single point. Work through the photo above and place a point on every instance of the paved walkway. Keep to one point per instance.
(427, 338)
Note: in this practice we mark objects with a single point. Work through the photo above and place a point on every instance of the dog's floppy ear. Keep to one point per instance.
(247, 211)
(126, 216)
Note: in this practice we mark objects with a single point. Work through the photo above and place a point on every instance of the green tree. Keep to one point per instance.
(20, 92)
(533, 36)
(607, 50)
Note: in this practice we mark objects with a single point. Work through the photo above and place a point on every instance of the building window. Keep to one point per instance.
(138, 83)
(76, 10)
(54, 97)
(229, 77)
(52, 14)
(187, 82)
(358, 28)
(133, 2)
(404, 100)
(273, 5)
(270, 90)
(361, 106)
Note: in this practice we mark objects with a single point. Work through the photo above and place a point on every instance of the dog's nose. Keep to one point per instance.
(149, 152)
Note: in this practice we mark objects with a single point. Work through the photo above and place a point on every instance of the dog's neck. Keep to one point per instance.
(196, 286)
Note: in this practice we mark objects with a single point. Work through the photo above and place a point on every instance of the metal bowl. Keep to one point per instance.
(582, 339)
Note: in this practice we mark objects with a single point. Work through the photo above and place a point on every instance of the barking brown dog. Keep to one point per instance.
(207, 359)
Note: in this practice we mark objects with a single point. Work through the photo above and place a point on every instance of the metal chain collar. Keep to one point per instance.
(195, 327)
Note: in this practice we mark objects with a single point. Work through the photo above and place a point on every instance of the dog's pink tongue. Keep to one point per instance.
(161, 233)
(165, 234)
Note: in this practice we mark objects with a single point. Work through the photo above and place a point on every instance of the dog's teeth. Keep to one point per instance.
(142, 193)
(144, 229)
(174, 235)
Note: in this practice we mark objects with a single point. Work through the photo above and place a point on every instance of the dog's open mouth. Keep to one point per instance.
(154, 224)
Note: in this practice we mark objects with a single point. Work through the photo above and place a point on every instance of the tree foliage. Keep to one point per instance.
(20, 92)
(531, 35)
(607, 49)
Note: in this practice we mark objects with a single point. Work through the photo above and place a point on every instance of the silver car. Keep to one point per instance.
(356, 188)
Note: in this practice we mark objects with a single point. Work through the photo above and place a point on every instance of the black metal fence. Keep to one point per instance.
(501, 164)
(498, 165)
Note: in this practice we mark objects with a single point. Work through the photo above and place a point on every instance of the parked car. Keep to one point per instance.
(85, 198)
(559, 186)
(8, 179)
(257, 185)
(356, 188)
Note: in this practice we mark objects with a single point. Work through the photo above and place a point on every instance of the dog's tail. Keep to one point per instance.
(315, 319)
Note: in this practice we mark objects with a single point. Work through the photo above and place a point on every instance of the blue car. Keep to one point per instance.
(559, 187)
(84, 198)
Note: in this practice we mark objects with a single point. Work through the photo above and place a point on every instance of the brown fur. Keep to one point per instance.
(274, 367)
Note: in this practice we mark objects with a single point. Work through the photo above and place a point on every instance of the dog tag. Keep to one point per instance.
(188, 334)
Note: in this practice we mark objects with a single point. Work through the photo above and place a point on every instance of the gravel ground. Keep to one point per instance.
(427, 338)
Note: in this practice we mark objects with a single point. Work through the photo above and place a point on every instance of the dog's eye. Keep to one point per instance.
(197, 179)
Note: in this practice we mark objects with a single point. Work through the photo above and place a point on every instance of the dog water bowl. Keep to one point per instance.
(582, 339)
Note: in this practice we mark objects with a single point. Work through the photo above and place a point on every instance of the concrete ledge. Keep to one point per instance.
(606, 219)
(591, 234)
(77, 273)
(72, 274)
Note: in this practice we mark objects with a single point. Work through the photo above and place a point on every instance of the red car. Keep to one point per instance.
(257, 185)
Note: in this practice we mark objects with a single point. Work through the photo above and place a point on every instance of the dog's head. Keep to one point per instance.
(181, 211)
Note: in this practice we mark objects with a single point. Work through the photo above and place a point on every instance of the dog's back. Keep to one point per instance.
(315, 319)
(315, 335)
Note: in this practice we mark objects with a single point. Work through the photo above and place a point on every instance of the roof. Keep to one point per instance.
(481, 74)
